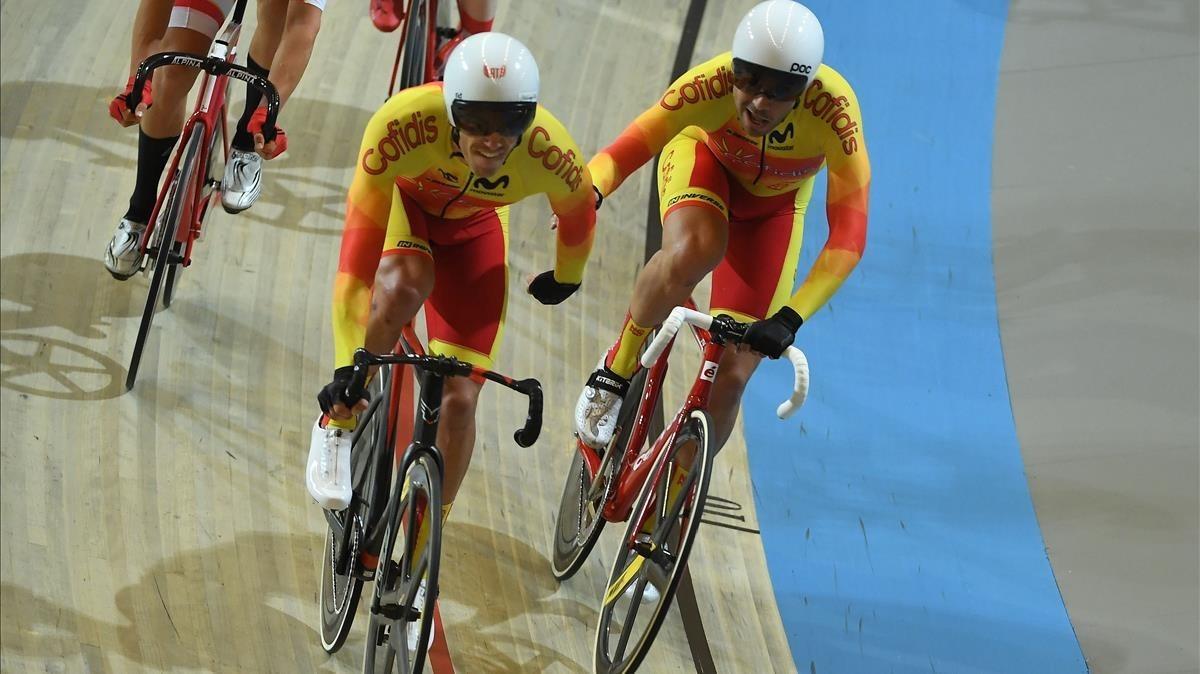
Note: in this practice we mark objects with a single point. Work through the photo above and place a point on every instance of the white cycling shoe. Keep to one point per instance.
(123, 257)
(243, 180)
(650, 594)
(413, 629)
(328, 472)
(598, 406)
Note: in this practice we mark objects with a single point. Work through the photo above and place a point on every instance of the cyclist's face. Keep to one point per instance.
(485, 154)
(760, 113)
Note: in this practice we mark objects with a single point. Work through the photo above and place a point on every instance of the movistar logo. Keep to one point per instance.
(448, 176)
(781, 137)
(485, 184)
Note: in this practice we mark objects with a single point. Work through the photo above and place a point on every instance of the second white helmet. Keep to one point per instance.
(490, 68)
(782, 35)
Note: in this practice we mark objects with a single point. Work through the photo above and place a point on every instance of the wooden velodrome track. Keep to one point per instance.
(168, 528)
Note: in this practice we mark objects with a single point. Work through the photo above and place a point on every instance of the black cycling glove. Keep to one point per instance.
(549, 291)
(773, 335)
(335, 391)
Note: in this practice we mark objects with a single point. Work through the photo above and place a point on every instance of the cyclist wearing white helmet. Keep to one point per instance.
(741, 137)
(427, 224)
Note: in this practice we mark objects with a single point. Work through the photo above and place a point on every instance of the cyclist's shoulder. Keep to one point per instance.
(425, 99)
(549, 154)
(833, 81)
(701, 92)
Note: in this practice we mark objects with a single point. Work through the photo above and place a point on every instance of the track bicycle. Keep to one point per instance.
(396, 489)
(194, 177)
(669, 480)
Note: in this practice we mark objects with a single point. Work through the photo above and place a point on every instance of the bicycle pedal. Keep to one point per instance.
(644, 545)
(397, 612)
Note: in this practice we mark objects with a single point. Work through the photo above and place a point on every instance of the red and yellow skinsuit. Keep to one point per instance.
(762, 185)
(413, 194)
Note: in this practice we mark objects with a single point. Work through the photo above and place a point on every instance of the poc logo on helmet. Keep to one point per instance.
(801, 68)
(494, 73)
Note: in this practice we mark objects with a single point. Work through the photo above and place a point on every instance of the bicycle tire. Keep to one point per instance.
(339, 593)
(397, 580)
(627, 572)
(573, 538)
(162, 256)
(205, 202)
(416, 34)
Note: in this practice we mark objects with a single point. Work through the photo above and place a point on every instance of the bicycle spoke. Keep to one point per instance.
(635, 602)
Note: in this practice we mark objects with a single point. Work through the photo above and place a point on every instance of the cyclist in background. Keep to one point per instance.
(475, 16)
(280, 50)
(427, 225)
(742, 138)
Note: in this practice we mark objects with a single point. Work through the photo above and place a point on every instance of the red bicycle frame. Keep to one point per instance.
(636, 463)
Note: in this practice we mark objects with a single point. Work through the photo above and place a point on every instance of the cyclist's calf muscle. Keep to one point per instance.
(171, 85)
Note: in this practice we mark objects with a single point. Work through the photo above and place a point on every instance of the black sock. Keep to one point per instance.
(153, 155)
(242, 139)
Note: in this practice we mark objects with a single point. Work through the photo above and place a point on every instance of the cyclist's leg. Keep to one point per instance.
(476, 16)
(693, 192)
(405, 277)
(753, 281)
(465, 317)
(189, 30)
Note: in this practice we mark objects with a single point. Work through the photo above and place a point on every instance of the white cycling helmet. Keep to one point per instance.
(491, 85)
(782, 35)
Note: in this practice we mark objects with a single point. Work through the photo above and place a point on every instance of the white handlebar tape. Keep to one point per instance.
(679, 316)
(800, 387)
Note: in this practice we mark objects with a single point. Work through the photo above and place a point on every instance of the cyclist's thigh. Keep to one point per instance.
(406, 257)
(465, 313)
(200, 16)
(693, 190)
(756, 277)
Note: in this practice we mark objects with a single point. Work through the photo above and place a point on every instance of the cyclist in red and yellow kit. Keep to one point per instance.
(438, 166)
(742, 137)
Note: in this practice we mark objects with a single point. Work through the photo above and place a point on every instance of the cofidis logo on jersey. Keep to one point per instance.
(400, 140)
(825, 106)
(700, 88)
(561, 164)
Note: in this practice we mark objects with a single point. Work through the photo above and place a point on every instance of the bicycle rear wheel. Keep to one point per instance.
(654, 552)
(342, 578)
(416, 47)
(579, 521)
(398, 635)
(167, 226)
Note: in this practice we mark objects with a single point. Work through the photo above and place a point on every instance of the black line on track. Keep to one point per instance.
(685, 596)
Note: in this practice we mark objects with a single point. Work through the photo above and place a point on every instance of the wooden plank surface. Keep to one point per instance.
(169, 528)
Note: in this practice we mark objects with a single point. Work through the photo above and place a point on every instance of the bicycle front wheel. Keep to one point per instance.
(342, 571)
(416, 47)
(169, 221)
(580, 521)
(406, 581)
(653, 553)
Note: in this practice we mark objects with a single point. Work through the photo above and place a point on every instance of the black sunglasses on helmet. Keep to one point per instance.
(483, 118)
(776, 85)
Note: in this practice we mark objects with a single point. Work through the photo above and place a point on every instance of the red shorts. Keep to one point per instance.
(756, 276)
(464, 314)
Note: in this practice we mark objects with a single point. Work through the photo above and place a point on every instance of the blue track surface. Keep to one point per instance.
(897, 522)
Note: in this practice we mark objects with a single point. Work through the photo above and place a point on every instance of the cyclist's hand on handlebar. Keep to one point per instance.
(549, 291)
(773, 335)
(333, 400)
(269, 149)
(119, 110)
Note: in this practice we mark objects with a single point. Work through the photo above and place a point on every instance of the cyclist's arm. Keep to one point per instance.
(368, 207)
(655, 127)
(846, 209)
(149, 26)
(295, 47)
(568, 186)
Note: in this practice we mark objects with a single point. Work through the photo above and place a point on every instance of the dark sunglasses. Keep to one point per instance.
(776, 85)
(485, 118)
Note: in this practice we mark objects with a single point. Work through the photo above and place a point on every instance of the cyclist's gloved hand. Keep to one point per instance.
(771, 336)
(334, 393)
(549, 291)
(269, 143)
(119, 110)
